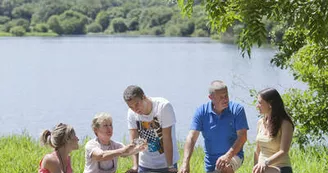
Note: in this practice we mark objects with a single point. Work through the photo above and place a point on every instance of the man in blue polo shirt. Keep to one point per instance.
(223, 125)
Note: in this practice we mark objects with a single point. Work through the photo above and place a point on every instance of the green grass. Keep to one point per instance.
(22, 153)
(5, 34)
(41, 34)
(34, 34)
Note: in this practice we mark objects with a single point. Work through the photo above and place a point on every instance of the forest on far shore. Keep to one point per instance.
(130, 17)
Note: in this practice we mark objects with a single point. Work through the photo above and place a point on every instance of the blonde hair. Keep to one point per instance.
(58, 137)
(100, 118)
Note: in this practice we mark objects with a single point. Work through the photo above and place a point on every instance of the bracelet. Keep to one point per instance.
(171, 166)
(266, 162)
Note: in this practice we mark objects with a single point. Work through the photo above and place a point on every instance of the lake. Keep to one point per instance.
(44, 81)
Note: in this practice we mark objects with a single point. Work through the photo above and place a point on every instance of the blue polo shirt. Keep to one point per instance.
(219, 131)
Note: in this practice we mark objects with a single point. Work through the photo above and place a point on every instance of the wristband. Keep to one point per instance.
(266, 162)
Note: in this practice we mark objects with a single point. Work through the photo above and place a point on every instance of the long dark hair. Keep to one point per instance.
(278, 112)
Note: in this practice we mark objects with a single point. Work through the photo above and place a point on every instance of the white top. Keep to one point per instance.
(92, 166)
(150, 128)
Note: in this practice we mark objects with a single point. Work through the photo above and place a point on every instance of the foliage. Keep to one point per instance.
(103, 19)
(18, 31)
(14, 146)
(54, 24)
(73, 22)
(16, 22)
(140, 17)
(24, 11)
(41, 27)
(172, 30)
(94, 28)
(118, 25)
(4, 19)
(47, 8)
(299, 30)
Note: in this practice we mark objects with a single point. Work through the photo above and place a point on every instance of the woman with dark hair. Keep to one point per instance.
(274, 134)
(63, 140)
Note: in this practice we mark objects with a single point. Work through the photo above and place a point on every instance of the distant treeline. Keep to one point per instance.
(79, 17)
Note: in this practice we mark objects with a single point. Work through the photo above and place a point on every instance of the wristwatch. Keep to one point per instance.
(266, 162)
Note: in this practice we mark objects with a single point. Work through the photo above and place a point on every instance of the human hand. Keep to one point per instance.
(222, 162)
(259, 168)
(141, 144)
(128, 148)
(185, 168)
(174, 170)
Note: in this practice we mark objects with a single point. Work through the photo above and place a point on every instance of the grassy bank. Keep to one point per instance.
(21, 154)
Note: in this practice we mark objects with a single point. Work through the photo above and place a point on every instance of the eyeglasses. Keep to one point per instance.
(106, 169)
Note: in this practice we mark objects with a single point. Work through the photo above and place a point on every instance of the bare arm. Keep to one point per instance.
(101, 155)
(257, 150)
(168, 145)
(286, 139)
(135, 149)
(133, 135)
(256, 154)
(236, 147)
(188, 150)
(240, 141)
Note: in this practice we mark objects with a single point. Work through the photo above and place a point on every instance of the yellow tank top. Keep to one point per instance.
(269, 146)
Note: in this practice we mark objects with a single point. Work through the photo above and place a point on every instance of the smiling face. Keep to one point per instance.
(263, 106)
(220, 99)
(105, 130)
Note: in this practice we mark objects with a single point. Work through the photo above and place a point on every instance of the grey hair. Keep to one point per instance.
(100, 118)
(132, 92)
(58, 137)
(217, 85)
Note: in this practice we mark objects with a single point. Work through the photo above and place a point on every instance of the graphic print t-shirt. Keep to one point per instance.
(150, 128)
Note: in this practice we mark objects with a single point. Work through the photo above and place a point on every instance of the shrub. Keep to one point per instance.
(41, 27)
(94, 28)
(18, 31)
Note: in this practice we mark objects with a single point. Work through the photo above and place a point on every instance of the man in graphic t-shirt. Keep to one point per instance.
(152, 119)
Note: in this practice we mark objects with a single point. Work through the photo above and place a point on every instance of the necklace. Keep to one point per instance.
(61, 162)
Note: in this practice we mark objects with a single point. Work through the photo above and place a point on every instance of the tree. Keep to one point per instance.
(25, 11)
(41, 27)
(54, 25)
(4, 19)
(73, 22)
(103, 19)
(18, 31)
(48, 8)
(302, 48)
(118, 25)
(94, 28)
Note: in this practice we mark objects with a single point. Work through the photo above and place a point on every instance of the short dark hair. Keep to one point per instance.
(132, 92)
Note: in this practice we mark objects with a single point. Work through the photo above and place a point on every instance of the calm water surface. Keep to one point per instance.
(44, 81)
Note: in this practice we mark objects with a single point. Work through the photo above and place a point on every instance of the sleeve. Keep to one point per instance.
(197, 121)
(132, 122)
(168, 116)
(241, 120)
(118, 145)
(90, 147)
